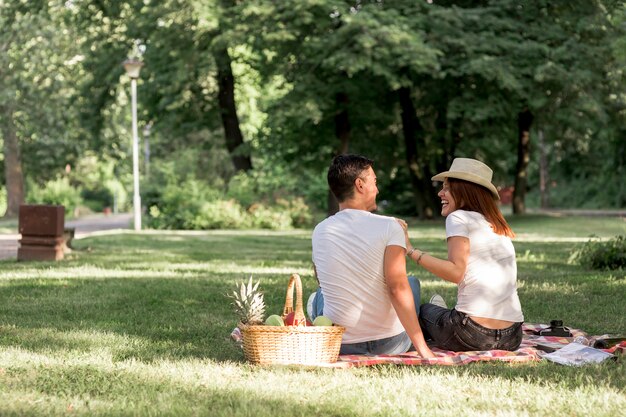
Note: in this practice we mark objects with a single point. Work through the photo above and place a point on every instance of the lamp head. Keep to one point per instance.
(132, 67)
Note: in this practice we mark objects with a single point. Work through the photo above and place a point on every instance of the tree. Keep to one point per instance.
(36, 55)
(188, 83)
(524, 122)
(337, 60)
(504, 61)
(226, 93)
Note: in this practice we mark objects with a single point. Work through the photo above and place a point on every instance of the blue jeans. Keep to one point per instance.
(454, 330)
(393, 345)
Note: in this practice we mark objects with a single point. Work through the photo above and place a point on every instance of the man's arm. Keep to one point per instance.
(402, 297)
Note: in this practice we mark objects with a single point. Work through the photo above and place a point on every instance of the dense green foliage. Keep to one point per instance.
(410, 83)
(610, 254)
(139, 325)
(58, 191)
(191, 204)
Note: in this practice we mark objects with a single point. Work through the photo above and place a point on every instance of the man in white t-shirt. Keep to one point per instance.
(359, 260)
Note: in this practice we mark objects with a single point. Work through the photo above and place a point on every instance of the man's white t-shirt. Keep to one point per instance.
(489, 287)
(348, 253)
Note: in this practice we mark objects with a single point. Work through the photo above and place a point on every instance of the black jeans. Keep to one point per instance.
(453, 330)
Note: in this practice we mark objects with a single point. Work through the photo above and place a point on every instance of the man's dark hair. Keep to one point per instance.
(343, 171)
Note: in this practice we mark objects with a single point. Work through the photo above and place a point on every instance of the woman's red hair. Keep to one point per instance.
(473, 197)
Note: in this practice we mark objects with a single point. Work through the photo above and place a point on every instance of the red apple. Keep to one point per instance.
(291, 321)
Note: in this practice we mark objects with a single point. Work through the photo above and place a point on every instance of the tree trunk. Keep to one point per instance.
(620, 197)
(342, 132)
(455, 139)
(228, 111)
(12, 164)
(544, 173)
(524, 121)
(419, 181)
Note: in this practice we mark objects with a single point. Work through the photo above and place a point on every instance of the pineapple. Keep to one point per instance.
(248, 303)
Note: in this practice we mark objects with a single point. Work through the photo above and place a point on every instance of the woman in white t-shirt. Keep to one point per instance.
(481, 261)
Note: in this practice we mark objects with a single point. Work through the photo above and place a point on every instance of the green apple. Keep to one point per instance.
(274, 320)
(322, 321)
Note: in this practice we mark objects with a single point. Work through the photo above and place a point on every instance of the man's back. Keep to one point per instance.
(348, 253)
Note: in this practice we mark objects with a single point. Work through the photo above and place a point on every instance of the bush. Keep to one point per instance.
(298, 211)
(242, 188)
(595, 254)
(249, 203)
(97, 198)
(220, 214)
(262, 194)
(179, 204)
(99, 183)
(274, 218)
(58, 192)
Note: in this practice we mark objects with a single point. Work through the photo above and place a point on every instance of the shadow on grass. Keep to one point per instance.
(163, 295)
(146, 319)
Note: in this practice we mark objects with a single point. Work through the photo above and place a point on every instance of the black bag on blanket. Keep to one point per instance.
(556, 329)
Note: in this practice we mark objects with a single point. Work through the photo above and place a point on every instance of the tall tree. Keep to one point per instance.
(226, 92)
(418, 171)
(524, 122)
(188, 87)
(500, 58)
(228, 110)
(331, 50)
(343, 132)
(36, 57)
(12, 162)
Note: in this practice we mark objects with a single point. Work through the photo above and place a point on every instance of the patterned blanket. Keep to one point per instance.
(527, 352)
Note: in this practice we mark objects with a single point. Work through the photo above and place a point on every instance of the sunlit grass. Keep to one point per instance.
(138, 324)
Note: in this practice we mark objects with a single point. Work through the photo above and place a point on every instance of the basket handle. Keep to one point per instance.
(298, 318)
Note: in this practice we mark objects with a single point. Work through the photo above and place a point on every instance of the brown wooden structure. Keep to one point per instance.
(42, 228)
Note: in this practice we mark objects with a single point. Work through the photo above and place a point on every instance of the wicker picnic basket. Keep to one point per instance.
(303, 345)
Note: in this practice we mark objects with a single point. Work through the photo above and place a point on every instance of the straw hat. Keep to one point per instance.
(470, 170)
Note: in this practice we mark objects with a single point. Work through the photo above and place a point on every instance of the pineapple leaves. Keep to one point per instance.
(248, 303)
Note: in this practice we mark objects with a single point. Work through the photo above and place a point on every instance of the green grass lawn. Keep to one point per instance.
(138, 324)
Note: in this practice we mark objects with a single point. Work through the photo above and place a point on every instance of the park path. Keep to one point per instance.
(85, 226)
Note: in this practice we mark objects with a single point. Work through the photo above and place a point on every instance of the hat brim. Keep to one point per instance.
(466, 176)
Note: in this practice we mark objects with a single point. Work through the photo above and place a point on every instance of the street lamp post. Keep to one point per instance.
(133, 67)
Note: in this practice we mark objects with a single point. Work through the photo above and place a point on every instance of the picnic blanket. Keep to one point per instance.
(527, 352)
